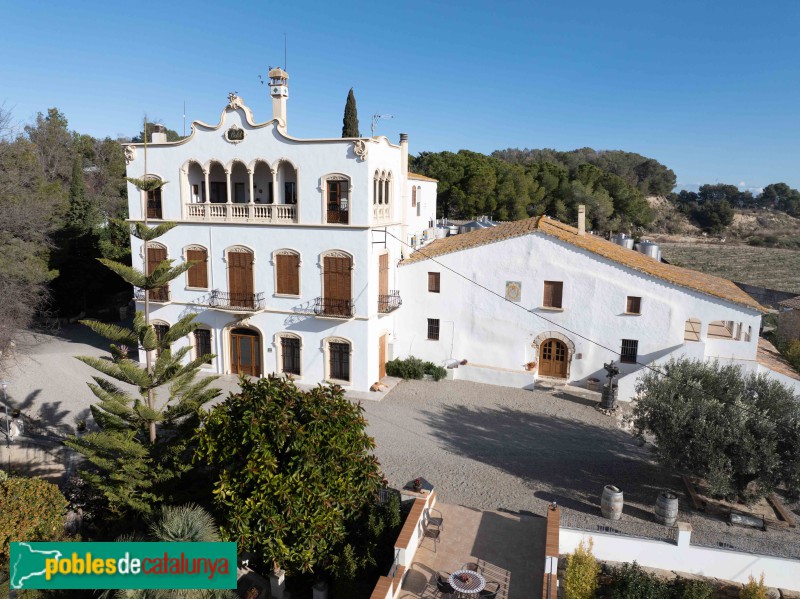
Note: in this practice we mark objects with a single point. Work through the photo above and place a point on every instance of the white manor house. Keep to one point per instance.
(321, 259)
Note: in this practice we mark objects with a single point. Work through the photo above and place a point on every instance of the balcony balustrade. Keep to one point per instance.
(160, 295)
(331, 308)
(233, 301)
(389, 303)
(258, 213)
(381, 212)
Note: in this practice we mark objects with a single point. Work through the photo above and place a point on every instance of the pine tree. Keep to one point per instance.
(350, 120)
(142, 446)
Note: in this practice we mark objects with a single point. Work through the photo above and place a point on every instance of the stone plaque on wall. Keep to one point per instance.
(513, 291)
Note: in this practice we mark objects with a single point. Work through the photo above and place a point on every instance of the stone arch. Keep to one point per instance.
(547, 335)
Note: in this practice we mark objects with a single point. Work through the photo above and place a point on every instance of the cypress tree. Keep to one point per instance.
(350, 120)
(82, 215)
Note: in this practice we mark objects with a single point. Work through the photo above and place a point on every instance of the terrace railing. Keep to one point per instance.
(389, 303)
(233, 301)
(160, 295)
(258, 213)
(331, 308)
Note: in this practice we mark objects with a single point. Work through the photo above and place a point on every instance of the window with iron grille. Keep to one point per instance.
(202, 343)
(633, 305)
(433, 329)
(553, 294)
(630, 351)
(290, 352)
(434, 282)
(340, 361)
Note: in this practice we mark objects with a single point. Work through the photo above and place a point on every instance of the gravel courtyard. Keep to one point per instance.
(498, 448)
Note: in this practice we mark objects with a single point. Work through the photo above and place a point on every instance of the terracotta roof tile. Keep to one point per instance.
(792, 302)
(421, 177)
(769, 356)
(708, 284)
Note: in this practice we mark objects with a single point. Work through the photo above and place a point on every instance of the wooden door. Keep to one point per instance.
(383, 283)
(382, 356)
(155, 256)
(553, 359)
(245, 352)
(240, 279)
(336, 291)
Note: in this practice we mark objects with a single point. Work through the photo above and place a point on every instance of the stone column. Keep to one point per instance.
(273, 210)
(207, 198)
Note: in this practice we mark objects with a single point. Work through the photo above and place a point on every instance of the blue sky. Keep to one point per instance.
(711, 88)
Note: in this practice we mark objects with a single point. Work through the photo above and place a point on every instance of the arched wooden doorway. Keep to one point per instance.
(553, 359)
(245, 352)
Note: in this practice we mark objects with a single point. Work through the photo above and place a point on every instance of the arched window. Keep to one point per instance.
(338, 352)
(197, 275)
(202, 344)
(287, 272)
(337, 291)
(160, 327)
(290, 348)
(156, 254)
(153, 198)
(387, 188)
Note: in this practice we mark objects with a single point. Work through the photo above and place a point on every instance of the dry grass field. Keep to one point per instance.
(766, 267)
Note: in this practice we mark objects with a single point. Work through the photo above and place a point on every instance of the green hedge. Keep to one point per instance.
(630, 580)
(414, 368)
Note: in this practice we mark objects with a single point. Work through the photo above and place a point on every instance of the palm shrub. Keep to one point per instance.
(753, 589)
(580, 578)
(143, 445)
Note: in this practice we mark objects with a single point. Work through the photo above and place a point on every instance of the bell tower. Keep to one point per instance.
(279, 90)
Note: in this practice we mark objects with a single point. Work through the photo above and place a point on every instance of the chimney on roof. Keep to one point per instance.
(581, 220)
(158, 134)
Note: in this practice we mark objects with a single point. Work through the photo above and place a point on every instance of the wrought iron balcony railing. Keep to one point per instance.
(389, 303)
(332, 308)
(235, 301)
(160, 295)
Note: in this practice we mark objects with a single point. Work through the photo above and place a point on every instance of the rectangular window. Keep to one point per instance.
(290, 192)
(290, 350)
(553, 294)
(338, 201)
(340, 361)
(154, 203)
(288, 274)
(160, 330)
(197, 275)
(434, 282)
(202, 343)
(433, 329)
(629, 352)
(238, 193)
(195, 192)
(633, 305)
(218, 192)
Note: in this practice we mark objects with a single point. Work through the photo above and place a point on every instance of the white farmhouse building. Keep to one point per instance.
(317, 258)
(566, 302)
(295, 271)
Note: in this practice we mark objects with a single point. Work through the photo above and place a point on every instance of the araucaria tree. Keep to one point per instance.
(738, 431)
(350, 120)
(144, 442)
(293, 469)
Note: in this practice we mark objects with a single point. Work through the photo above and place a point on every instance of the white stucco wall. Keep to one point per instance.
(493, 334)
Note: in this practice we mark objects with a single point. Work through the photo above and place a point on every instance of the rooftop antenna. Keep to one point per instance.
(376, 118)
(284, 50)
(184, 118)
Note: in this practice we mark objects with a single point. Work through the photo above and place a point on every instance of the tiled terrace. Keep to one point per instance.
(509, 549)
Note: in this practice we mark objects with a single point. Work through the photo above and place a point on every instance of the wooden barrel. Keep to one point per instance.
(667, 508)
(611, 503)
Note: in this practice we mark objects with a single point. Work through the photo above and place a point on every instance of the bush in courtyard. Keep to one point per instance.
(414, 368)
(580, 578)
(738, 431)
(683, 588)
(754, 590)
(31, 509)
(630, 580)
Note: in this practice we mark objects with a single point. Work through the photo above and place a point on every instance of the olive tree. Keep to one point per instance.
(739, 431)
(292, 469)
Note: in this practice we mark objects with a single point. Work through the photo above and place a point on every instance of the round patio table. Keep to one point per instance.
(473, 584)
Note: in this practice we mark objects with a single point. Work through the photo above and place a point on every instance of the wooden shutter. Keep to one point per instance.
(198, 273)
(553, 291)
(433, 282)
(383, 274)
(413, 197)
(634, 305)
(156, 255)
(240, 275)
(288, 275)
(337, 278)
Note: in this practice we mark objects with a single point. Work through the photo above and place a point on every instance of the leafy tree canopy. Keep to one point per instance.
(740, 432)
(292, 467)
